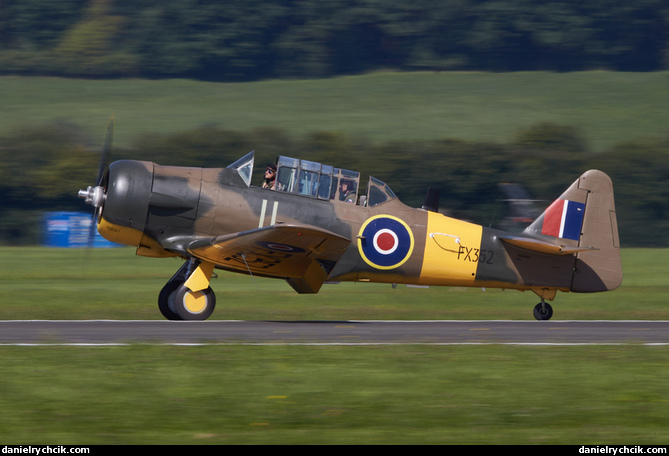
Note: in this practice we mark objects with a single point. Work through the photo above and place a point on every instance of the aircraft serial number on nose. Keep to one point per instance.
(474, 255)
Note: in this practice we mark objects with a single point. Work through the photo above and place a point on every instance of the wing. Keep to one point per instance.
(303, 255)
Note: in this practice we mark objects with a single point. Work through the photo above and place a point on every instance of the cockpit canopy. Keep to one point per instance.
(315, 180)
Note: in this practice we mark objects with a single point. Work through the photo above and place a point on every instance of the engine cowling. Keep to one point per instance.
(126, 204)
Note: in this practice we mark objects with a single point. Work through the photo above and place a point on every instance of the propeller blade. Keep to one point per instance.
(93, 227)
(106, 150)
(95, 196)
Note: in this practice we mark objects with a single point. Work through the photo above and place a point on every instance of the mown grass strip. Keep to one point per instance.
(608, 107)
(334, 395)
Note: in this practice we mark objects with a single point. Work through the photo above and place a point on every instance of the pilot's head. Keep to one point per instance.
(270, 172)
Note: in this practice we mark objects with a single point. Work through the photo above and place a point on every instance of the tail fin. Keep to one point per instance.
(585, 217)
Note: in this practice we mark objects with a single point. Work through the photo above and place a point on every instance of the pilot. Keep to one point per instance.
(346, 191)
(270, 176)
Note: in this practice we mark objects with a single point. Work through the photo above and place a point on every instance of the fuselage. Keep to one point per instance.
(160, 209)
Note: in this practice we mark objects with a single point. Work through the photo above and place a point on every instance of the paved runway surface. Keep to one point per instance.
(334, 332)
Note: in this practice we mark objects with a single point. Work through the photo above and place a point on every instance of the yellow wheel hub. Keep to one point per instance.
(195, 302)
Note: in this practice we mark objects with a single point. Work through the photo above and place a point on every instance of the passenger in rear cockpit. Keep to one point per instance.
(347, 191)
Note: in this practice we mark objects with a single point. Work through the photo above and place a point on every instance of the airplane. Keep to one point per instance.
(317, 226)
(524, 210)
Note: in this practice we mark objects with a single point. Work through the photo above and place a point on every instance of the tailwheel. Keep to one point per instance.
(543, 311)
(192, 305)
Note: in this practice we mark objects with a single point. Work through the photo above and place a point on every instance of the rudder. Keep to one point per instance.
(598, 270)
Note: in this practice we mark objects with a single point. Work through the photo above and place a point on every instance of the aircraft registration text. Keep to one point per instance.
(474, 255)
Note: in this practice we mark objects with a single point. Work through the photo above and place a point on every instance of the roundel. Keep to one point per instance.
(385, 242)
(280, 247)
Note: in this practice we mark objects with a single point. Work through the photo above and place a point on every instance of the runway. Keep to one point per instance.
(163, 332)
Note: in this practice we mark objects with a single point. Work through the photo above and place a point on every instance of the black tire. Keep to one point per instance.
(190, 305)
(164, 300)
(543, 311)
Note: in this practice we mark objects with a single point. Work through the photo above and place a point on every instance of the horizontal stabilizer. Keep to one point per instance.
(537, 245)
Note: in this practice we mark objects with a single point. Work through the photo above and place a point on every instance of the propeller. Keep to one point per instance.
(95, 195)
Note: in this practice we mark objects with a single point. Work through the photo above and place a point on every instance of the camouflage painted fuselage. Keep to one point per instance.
(165, 211)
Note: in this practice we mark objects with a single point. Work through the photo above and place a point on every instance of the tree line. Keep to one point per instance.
(42, 167)
(242, 40)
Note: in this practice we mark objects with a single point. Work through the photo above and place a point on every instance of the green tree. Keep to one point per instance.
(548, 150)
(640, 173)
(35, 25)
(88, 47)
(43, 165)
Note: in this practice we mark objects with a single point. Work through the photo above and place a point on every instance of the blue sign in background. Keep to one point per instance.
(71, 229)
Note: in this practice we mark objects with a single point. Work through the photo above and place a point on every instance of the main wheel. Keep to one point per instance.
(166, 299)
(543, 311)
(189, 305)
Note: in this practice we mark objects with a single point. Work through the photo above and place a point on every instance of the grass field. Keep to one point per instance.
(139, 394)
(608, 107)
(39, 283)
(334, 395)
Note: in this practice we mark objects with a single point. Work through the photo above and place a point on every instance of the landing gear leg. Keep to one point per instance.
(187, 295)
(543, 311)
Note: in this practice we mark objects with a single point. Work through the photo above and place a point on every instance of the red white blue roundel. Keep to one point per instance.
(385, 242)
(280, 247)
